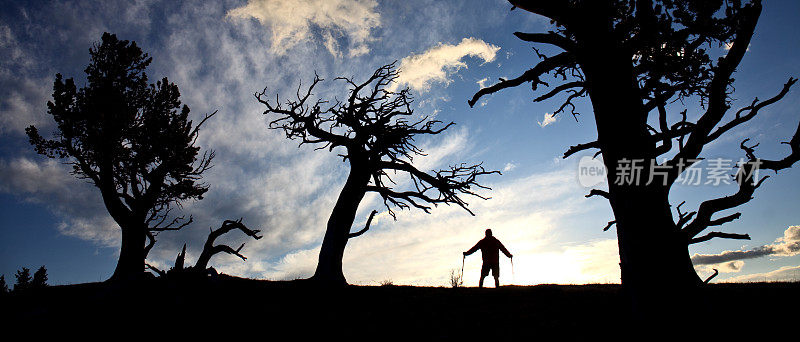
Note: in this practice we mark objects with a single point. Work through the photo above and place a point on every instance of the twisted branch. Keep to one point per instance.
(209, 249)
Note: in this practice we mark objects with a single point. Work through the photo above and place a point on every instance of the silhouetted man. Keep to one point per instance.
(490, 247)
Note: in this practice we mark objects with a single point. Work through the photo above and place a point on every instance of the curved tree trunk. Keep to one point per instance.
(131, 255)
(329, 267)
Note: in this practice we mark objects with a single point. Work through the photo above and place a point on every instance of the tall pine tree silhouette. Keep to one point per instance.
(132, 140)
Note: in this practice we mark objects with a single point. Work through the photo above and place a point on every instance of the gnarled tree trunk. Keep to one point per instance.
(329, 267)
(654, 259)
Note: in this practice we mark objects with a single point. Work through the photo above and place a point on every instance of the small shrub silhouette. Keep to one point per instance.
(456, 279)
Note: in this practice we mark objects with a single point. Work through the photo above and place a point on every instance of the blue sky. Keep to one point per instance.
(219, 53)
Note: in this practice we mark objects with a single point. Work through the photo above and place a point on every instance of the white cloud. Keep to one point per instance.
(547, 120)
(785, 273)
(509, 167)
(724, 267)
(292, 22)
(101, 229)
(482, 82)
(22, 106)
(77, 203)
(787, 245)
(31, 176)
(438, 63)
(733, 266)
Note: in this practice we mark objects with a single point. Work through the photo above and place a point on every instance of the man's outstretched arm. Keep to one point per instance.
(505, 251)
(473, 249)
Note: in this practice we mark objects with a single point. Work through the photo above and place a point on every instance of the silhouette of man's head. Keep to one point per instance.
(488, 232)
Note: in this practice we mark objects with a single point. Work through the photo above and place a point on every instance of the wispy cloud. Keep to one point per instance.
(437, 64)
(454, 142)
(23, 100)
(291, 22)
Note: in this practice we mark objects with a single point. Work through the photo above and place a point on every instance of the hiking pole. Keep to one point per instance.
(512, 270)
(463, 257)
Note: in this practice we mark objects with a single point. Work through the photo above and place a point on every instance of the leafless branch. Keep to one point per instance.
(561, 60)
(151, 241)
(580, 147)
(573, 94)
(722, 235)
(598, 192)
(177, 223)
(716, 272)
(717, 89)
(558, 89)
(209, 249)
(550, 37)
(751, 111)
(683, 218)
(155, 269)
(447, 185)
(300, 120)
(366, 226)
(786, 162)
(747, 185)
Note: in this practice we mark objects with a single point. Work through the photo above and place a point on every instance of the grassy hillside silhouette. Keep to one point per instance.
(246, 306)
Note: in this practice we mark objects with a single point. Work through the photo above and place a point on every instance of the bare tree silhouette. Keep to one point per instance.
(209, 250)
(372, 125)
(633, 58)
(133, 141)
